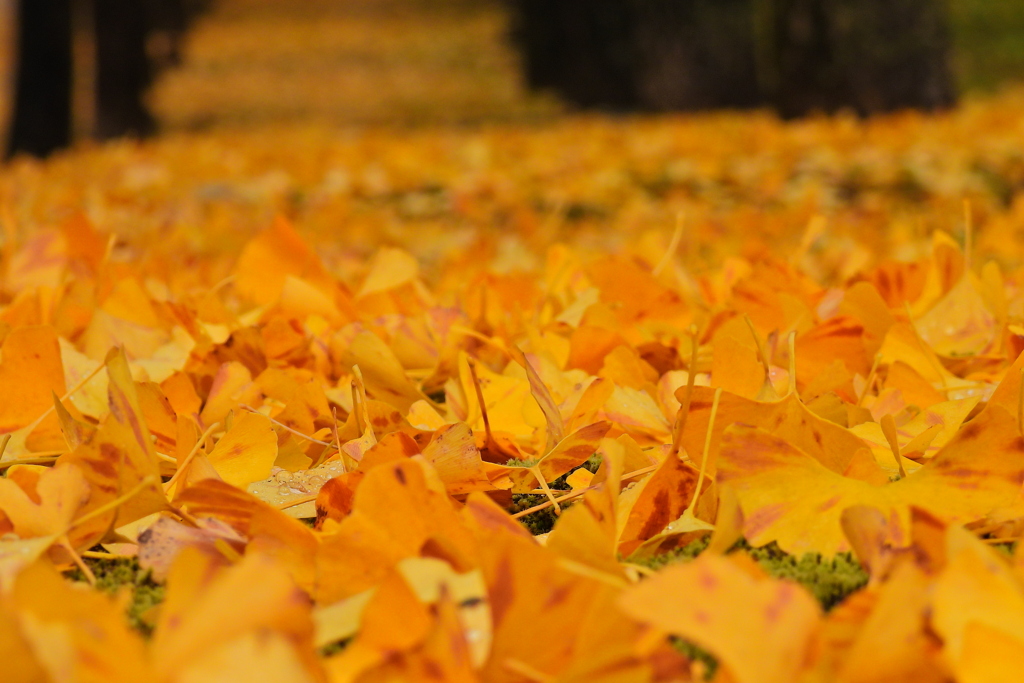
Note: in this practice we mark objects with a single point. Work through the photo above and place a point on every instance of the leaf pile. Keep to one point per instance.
(309, 394)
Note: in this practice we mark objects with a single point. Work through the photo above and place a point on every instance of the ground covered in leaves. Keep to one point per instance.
(655, 399)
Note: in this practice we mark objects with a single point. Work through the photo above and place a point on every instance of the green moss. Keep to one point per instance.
(828, 580)
(112, 574)
(333, 648)
(591, 465)
(515, 462)
(593, 462)
(542, 521)
(1006, 548)
(684, 554)
(696, 654)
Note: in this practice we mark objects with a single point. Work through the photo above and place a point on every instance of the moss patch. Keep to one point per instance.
(828, 580)
(333, 648)
(543, 521)
(114, 573)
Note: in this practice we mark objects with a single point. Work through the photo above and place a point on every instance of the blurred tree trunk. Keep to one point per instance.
(867, 55)
(640, 54)
(119, 47)
(41, 122)
(696, 54)
(582, 49)
(123, 72)
(8, 56)
(803, 55)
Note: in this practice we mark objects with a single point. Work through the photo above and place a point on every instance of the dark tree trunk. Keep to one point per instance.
(870, 56)
(582, 49)
(123, 70)
(133, 39)
(696, 54)
(640, 54)
(804, 55)
(41, 121)
(168, 21)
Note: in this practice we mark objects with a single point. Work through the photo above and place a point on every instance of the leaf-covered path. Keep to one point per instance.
(585, 399)
(253, 63)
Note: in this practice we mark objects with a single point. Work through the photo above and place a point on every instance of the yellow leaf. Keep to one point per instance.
(759, 629)
(246, 452)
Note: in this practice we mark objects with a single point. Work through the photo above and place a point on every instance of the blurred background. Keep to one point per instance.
(74, 70)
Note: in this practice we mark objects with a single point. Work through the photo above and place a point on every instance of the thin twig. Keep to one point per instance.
(188, 458)
(39, 460)
(297, 501)
(120, 500)
(66, 544)
(286, 427)
(580, 492)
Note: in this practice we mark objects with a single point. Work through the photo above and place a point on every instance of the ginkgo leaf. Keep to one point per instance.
(976, 588)
(505, 398)
(454, 455)
(16, 554)
(205, 609)
(160, 544)
(20, 664)
(790, 498)
(429, 578)
(904, 345)
(253, 655)
(272, 256)
(228, 385)
(788, 418)
(448, 647)
(383, 374)
(304, 299)
(396, 513)
(759, 629)
(31, 369)
(882, 629)
(75, 432)
(570, 452)
(82, 633)
(390, 269)
(281, 489)
(541, 394)
(655, 501)
(736, 368)
(591, 400)
(637, 414)
(587, 533)
(537, 606)
(392, 447)
(62, 493)
(960, 323)
(923, 436)
(300, 395)
(625, 367)
(393, 623)
(120, 458)
(437, 342)
(246, 452)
